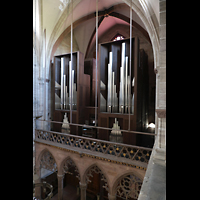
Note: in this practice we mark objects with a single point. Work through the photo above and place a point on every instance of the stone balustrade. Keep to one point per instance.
(99, 149)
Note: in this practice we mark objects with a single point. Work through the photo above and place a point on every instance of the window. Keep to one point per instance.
(118, 37)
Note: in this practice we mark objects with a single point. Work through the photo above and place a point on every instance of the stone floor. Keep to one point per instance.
(69, 192)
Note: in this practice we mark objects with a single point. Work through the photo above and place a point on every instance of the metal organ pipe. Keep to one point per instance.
(61, 95)
(112, 100)
(130, 64)
(96, 62)
(121, 92)
(70, 85)
(64, 91)
(126, 84)
(70, 71)
(113, 91)
(109, 98)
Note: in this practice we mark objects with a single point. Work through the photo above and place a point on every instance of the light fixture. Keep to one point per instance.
(151, 125)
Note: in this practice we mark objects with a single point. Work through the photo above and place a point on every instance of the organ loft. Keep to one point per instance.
(99, 99)
(122, 90)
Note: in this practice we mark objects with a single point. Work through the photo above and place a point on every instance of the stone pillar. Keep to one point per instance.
(161, 85)
(83, 187)
(111, 197)
(37, 180)
(60, 186)
(161, 107)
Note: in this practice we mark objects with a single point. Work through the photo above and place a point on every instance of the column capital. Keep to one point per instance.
(60, 175)
(111, 197)
(82, 185)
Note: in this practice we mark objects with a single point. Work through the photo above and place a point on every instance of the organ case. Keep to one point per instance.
(115, 80)
(65, 76)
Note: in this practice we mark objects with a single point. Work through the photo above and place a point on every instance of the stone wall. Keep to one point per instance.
(154, 184)
(113, 172)
(161, 80)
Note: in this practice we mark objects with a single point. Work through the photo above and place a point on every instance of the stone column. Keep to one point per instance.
(161, 85)
(161, 107)
(111, 197)
(37, 180)
(60, 186)
(83, 187)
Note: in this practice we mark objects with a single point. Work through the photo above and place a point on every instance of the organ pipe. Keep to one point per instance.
(61, 96)
(125, 105)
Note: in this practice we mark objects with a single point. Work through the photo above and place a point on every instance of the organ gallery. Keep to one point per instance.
(122, 90)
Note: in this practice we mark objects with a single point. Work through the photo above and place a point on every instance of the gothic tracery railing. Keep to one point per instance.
(130, 152)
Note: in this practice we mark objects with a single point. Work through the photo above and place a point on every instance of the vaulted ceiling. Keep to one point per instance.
(112, 15)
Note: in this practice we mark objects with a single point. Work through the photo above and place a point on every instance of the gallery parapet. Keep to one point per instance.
(132, 155)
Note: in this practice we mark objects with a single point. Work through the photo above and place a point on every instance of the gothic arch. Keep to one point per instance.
(127, 185)
(66, 164)
(47, 160)
(95, 168)
(143, 10)
(121, 176)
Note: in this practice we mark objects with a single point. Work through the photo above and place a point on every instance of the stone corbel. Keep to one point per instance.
(161, 113)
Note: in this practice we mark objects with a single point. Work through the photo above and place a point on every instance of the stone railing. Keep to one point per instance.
(44, 185)
(98, 148)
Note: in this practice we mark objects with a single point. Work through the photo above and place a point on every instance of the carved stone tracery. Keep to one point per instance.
(68, 166)
(129, 187)
(96, 170)
(48, 162)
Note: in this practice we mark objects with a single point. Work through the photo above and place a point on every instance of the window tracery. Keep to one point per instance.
(129, 187)
(48, 162)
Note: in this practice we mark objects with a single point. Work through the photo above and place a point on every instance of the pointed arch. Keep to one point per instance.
(67, 164)
(47, 161)
(94, 168)
(127, 185)
(54, 45)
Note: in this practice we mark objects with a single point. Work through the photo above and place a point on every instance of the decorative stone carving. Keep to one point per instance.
(96, 170)
(48, 162)
(65, 125)
(68, 165)
(116, 135)
(129, 187)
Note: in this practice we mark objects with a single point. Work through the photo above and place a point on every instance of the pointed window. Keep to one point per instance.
(118, 37)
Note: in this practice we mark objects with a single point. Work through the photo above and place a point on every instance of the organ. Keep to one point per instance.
(122, 90)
